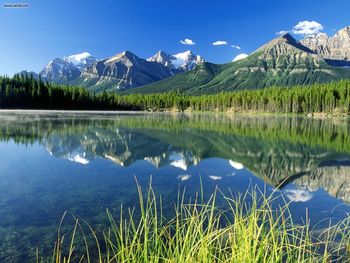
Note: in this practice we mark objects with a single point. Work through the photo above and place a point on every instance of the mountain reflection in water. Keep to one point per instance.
(280, 150)
(85, 163)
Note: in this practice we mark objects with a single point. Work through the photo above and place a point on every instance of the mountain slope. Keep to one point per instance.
(63, 71)
(122, 71)
(182, 82)
(282, 61)
(81, 60)
(335, 49)
(60, 71)
(177, 63)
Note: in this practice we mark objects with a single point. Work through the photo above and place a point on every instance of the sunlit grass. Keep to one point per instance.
(251, 231)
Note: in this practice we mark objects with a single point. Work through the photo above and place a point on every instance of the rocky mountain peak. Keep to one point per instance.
(124, 70)
(187, 60)
(180, 62)
(286, 38)
(160, 54)
(335, 49)
(163, 58)
(344, 32)
(81, 60)
(60, 70)
(185, 55)
(285, 44)
(125, 57)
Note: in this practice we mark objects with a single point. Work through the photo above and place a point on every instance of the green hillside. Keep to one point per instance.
(281, 62)
(182, 82)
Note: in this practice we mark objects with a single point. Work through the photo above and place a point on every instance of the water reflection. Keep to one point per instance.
(280, 150)
(86, 163)
(183, 141)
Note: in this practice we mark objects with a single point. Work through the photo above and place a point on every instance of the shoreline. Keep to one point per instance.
(68, 111)
(228, 112)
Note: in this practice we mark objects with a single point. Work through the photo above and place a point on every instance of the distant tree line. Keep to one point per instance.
(27, 92)
(23, 91)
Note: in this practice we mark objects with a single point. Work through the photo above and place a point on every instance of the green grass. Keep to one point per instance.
(200, 232)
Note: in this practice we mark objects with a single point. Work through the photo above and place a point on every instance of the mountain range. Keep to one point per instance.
(284, 61)
(122, 71)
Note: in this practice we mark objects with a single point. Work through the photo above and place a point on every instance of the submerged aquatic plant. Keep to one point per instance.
(199, 231)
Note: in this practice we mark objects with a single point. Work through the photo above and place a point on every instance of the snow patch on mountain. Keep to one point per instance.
(81, 60)
(187, 60)
(182, 61)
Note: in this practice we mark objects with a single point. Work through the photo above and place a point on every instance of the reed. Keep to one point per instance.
(199, 231)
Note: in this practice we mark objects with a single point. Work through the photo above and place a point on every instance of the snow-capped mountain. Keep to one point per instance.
(187, 60)
(283, 61)
(60, 71)
(122, 71)
(163, 58)
(180, 62)
(119, 72)
(81, 60)
(66, 69)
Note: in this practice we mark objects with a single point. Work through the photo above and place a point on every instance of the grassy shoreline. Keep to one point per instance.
(200, 232)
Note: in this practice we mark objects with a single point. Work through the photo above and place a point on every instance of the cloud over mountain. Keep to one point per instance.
(239, 57)
(307, 28)
(220, 43)
(236, 47)
(188, 42)
(282, 32)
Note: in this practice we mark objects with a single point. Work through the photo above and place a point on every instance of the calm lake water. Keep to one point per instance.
(85, 163)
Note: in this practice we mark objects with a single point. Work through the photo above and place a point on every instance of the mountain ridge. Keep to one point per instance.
(335, 49)
(122, 71)
(283, 61)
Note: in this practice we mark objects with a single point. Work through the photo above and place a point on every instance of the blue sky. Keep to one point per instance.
(33, 36)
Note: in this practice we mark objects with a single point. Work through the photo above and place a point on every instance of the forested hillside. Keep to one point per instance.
(25, 92)
(28, 92)
(281, 62)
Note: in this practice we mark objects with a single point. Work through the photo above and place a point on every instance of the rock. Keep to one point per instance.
(335, 48)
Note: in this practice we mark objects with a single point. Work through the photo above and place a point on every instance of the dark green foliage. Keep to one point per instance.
(27, 93)
(300, 99)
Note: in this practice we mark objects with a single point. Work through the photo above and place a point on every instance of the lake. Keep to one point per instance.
(86, 163)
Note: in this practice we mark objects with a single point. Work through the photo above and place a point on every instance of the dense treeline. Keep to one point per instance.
(27, 92)
(300, 99)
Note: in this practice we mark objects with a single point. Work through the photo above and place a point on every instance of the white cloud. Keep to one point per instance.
(239, 57)
(307, 28)
(220, 43)
(184, 177)
(298, 195)
(282, 32)
(236, 165)
(215, 177)
(78, 158)
(179, 164)
(236, 47)
(187, 41)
